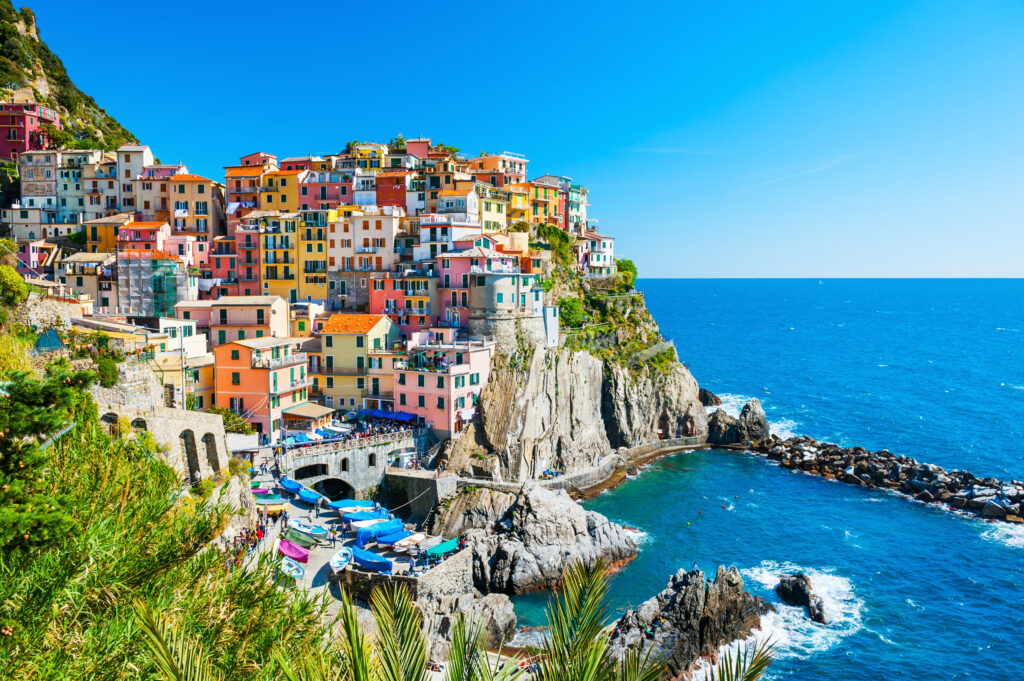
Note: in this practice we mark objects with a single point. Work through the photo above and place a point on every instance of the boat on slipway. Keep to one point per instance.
(314, 531)
(293, 551)
(291, 568)
(291, 485)
(405, 544)
(371, 561)
(340, 559)
(389, 540)
(351, 505)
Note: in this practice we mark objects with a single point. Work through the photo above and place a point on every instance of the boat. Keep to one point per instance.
(443, 548)
(393, 538)
(353, 504)
(365, 515)
(291, 568)
(340, 559)
(314, 531)
(366, 535)
(260, 490)
(270, 499)
(371, 561)
(296, 537)
(309, 496)
(293, 551)
(256, 483)
(366, 523)
(290, 485)
(409, 542)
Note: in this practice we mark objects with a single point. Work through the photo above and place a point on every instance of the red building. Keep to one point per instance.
(222, 264)
(392, 186)
(21, 128)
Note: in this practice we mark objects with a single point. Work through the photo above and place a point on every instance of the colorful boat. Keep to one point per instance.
(371, 561)
(366, 523)
(351, 504)
(293, 551)
(409, 542)
(340, 559)
(270, 499)
(366, 535)
(291, 568)
(290, 485)
(314, 531)
(256, 483)
(296, 537)
(365, 515)
(444, 548)
(260, 490)
(310, 497)
(393, 538)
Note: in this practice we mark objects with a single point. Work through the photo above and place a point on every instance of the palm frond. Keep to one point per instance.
(401, 647)
(356, 652)
(575, 647)
(747, 663)
(176, 658)
(638, 666)
(467, 656)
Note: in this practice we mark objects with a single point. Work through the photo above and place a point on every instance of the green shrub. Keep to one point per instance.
(236, 466)
(203, 489)
(571, 312)
(107, 370)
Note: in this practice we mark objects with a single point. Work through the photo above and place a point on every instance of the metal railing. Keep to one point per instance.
(278, 362)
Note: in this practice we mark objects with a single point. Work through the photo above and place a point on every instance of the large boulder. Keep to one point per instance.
(690, 619)
(708, 398)
(796, 590)
(751, 426)
(526, 540)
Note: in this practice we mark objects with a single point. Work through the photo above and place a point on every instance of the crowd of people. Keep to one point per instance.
(244, 544)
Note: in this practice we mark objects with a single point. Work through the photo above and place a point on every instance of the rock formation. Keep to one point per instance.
(796, 590)
(523, 541)
(237, 498)
(690, 619)
(557, 408)
(708, 398)
(493, 611)
(751, 426)
(987, 497)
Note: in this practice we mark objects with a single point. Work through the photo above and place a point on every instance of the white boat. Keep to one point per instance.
(291, 568)
(367, 523)
(405, 544)
(314, 531)
(340, 559)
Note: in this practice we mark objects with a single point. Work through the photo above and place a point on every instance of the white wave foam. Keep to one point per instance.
(1007, 535)
(529, 637)
(794, 634)
(733, 405)
(638, 536)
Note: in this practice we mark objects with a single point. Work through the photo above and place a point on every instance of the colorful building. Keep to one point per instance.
(22, 126)
(280, 190)
(346, 344)
(242, 317)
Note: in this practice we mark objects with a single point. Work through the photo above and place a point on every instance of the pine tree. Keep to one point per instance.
(31, 411)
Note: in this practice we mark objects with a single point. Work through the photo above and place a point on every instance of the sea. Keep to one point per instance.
(932, 369)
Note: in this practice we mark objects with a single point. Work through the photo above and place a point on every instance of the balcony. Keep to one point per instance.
(279, 362)
(289, 386)
(247, 244)
(366, 249)
(341, 371)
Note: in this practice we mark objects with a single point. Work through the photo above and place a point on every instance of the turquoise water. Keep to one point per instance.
(932, 369)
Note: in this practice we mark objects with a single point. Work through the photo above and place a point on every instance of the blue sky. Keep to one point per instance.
(718, 139)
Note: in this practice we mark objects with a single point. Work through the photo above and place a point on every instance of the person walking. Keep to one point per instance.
(334, 536)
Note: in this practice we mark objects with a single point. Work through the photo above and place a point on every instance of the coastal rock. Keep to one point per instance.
(237, 499)
(526, 540)
(498, 617)
(690, 619)
(708, 398)
(751, 426)
(493, 611)
(796, 590)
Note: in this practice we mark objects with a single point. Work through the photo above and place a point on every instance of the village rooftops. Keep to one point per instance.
(245, 300)
(186, 177)
(90, 257)
(351, 323)
(475, 252)
(194, 304)
(117, 219)
(298, 159)
(455, 192)
(244, 171)
(266, 342)
(132, 147)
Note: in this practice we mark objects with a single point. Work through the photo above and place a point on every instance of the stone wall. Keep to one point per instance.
(452, 577)
(417, 491)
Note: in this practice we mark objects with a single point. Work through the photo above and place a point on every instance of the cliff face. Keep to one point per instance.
(563, 408)
(526, 541)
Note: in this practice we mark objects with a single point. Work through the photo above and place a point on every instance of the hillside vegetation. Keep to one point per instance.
(30, 71)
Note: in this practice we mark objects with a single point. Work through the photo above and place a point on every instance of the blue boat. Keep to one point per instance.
(309, 496)
(340, 559)
(291, 568)
(365, 515)
(366, 535)
(393, 538)
(371, 561)
(291, 485)
(351, 503)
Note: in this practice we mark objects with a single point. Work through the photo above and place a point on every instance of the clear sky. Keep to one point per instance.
(718, 139)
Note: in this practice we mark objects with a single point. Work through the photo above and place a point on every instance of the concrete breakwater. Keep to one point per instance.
(988, 497)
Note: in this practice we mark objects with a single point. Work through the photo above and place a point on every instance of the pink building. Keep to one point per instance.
(409, 298)
(22, 127)
(441, 381)
(223, 264)
(326, 189)
(31, 255)
(143, 236)
(454, 271)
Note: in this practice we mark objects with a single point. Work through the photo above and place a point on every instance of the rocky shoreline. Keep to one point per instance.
(988, 497)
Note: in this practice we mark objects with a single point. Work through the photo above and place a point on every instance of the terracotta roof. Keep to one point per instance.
(186, 177)
(244, 171)
(455, 192)
(351, 323)
(154, 255)
(145, 225)
(285, 172)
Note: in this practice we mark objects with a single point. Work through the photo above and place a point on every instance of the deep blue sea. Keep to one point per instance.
(933, 369)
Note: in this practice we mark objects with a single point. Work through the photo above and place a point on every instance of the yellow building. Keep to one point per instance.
(198, 376)
(196, 205)
(279, 254)
(518, 203)
(279, 190)
(312, 254)
(494, 208)
(353, 347)
(543, 204)
(101, 233)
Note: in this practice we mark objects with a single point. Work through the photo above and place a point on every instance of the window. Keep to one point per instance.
(236, 378)
(222, 336)
(359, 341)
(419, 380)
(401, 379)
(234, 354)
(440, 403)
(440, 381)
(474, 379)
(329, 341)
(241, 334)
(401, 399)
(500, 297)
(371, 460)
(421, 401)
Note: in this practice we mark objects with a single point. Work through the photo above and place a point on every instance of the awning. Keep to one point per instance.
(444, 547)
(308, 411)
(404, 416)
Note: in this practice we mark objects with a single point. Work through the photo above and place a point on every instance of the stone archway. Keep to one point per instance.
(335, 488)
(139, 425)
(188, 446)
(313, 470)
(110, 419)
(210, 440)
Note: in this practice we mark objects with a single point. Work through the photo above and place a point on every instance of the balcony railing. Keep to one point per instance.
(288, 386)
(278, 362)
(366, 249)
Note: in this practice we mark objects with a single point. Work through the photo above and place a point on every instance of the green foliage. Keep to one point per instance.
(520, 226)
(233, 423)
(78, 237)
(236, 466)
(10, 183)
(397, 144)
(106, 368)
(14, 354)
(571, 312)
(446, 148)
(561, 243)
(627, 271)
(204, 488)
(747, 663)
(13, 289)
(31, 510)
(57, 138)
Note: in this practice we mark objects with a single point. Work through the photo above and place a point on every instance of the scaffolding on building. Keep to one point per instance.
(150, 283)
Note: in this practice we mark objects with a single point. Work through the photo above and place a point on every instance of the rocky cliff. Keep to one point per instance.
(564, 409)
(751, 426)
(690, 619)
(526, 540)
